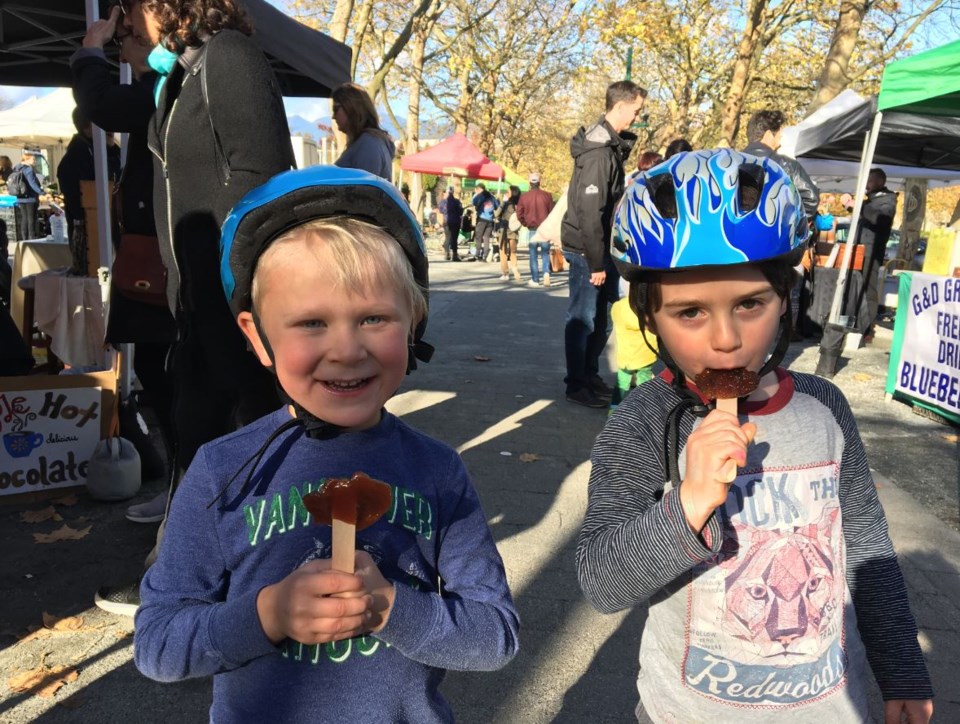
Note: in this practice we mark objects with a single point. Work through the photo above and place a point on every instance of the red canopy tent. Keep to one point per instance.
(454, 156)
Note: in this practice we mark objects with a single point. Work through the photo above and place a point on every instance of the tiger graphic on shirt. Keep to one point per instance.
(766, 613)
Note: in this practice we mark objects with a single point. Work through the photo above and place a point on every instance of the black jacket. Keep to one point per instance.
(797, 173)
(77, 165)
(595, 188)
(199, 176)
(876, 221)
(125, 109)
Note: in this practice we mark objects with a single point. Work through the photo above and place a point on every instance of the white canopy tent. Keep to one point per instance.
(42, 121)
(839, 176)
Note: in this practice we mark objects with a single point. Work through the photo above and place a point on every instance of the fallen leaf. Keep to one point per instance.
(71, 499)
(862, 377)
(70, 623)
(38, 516)
(950, 437)
(65, 532)
(480, 358)
(528, 457)
(42, 681)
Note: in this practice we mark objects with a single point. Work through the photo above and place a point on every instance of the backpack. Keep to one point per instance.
(16, 184)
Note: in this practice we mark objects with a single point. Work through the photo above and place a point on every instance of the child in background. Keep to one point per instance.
(636, 349)
(326, 272)
(757, 538)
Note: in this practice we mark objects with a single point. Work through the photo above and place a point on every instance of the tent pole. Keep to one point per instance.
(869, 149)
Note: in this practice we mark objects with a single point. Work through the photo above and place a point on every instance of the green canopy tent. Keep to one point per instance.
(917, 123)
(510, 178)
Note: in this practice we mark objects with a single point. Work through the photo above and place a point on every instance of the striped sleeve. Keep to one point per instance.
(635, 538)
(886, 625)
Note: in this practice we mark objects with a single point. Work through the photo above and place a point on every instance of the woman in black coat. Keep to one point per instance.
(128, 109)
(219, 130)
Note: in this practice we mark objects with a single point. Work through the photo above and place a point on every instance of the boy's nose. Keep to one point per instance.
(345, 346)
(724, 335)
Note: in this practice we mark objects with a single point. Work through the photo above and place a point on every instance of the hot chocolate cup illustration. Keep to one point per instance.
(21, 444)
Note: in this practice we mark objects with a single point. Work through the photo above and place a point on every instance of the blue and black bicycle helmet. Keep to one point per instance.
(294, 198)
(708, 208)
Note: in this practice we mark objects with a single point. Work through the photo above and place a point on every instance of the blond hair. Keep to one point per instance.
(365, 257)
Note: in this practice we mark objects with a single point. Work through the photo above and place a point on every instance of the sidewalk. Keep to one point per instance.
(494, 390)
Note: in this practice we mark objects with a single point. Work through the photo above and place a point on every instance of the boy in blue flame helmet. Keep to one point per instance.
(757, 538)
(326, 273)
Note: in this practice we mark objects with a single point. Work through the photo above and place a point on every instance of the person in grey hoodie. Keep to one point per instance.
(369, 147)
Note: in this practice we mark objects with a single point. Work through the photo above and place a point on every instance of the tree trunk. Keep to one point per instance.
(416, 50)
(341, 20)
(740, 80)
(834, 78)
(461, 119)
(360, 34)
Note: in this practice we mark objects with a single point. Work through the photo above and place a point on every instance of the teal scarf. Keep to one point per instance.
(162, 61)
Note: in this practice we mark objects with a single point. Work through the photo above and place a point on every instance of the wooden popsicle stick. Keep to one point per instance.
(344, 542)
(728, 473)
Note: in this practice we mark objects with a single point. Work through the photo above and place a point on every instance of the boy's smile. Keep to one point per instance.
(340, 355)
(718, 318)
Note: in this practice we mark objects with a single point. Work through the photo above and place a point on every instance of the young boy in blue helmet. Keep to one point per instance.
(326, 272)
(757, 538)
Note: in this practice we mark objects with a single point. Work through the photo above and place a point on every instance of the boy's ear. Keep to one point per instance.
(249, 328)
(784, 304)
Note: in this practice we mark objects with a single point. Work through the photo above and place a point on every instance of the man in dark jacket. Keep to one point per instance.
(599, 153)
(486, 205)
(452, 211)
(764, 130)
(876, 223)
(77, 165)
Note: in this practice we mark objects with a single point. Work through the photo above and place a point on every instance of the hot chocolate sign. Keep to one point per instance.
(47, 436)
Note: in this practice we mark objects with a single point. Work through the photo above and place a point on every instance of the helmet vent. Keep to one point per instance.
(749, 184)
(664, 194)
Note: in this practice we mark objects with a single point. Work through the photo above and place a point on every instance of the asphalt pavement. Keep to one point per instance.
(494, 390)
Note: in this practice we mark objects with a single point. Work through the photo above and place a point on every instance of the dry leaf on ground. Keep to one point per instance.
(528, 457)
(950, 438)
(481, 358)
(70, 623)
(862, 377)
(42, 681)
(38, 516)
(64, 532)
(71, 499)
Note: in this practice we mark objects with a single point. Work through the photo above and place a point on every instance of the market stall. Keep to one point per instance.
(37, 411)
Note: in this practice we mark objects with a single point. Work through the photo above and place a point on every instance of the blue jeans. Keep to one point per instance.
(539, 249)
(588, 322)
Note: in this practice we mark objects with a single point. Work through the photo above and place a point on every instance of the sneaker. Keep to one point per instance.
(546, 280)
(504, 277)
(600, 388)
(586, 397)
(121, 600)
(533, 284)
(150, 512)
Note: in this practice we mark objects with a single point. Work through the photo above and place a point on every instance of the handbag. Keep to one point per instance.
(138, 270)
(513, 224)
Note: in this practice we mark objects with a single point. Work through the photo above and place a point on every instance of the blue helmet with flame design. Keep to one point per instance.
(708, 208)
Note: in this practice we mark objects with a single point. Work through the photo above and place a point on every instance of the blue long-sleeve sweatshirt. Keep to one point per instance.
(198, 615)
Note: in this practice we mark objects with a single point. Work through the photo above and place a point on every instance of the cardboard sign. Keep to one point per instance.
(59, 404)
(48, 437)
(925, 359)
